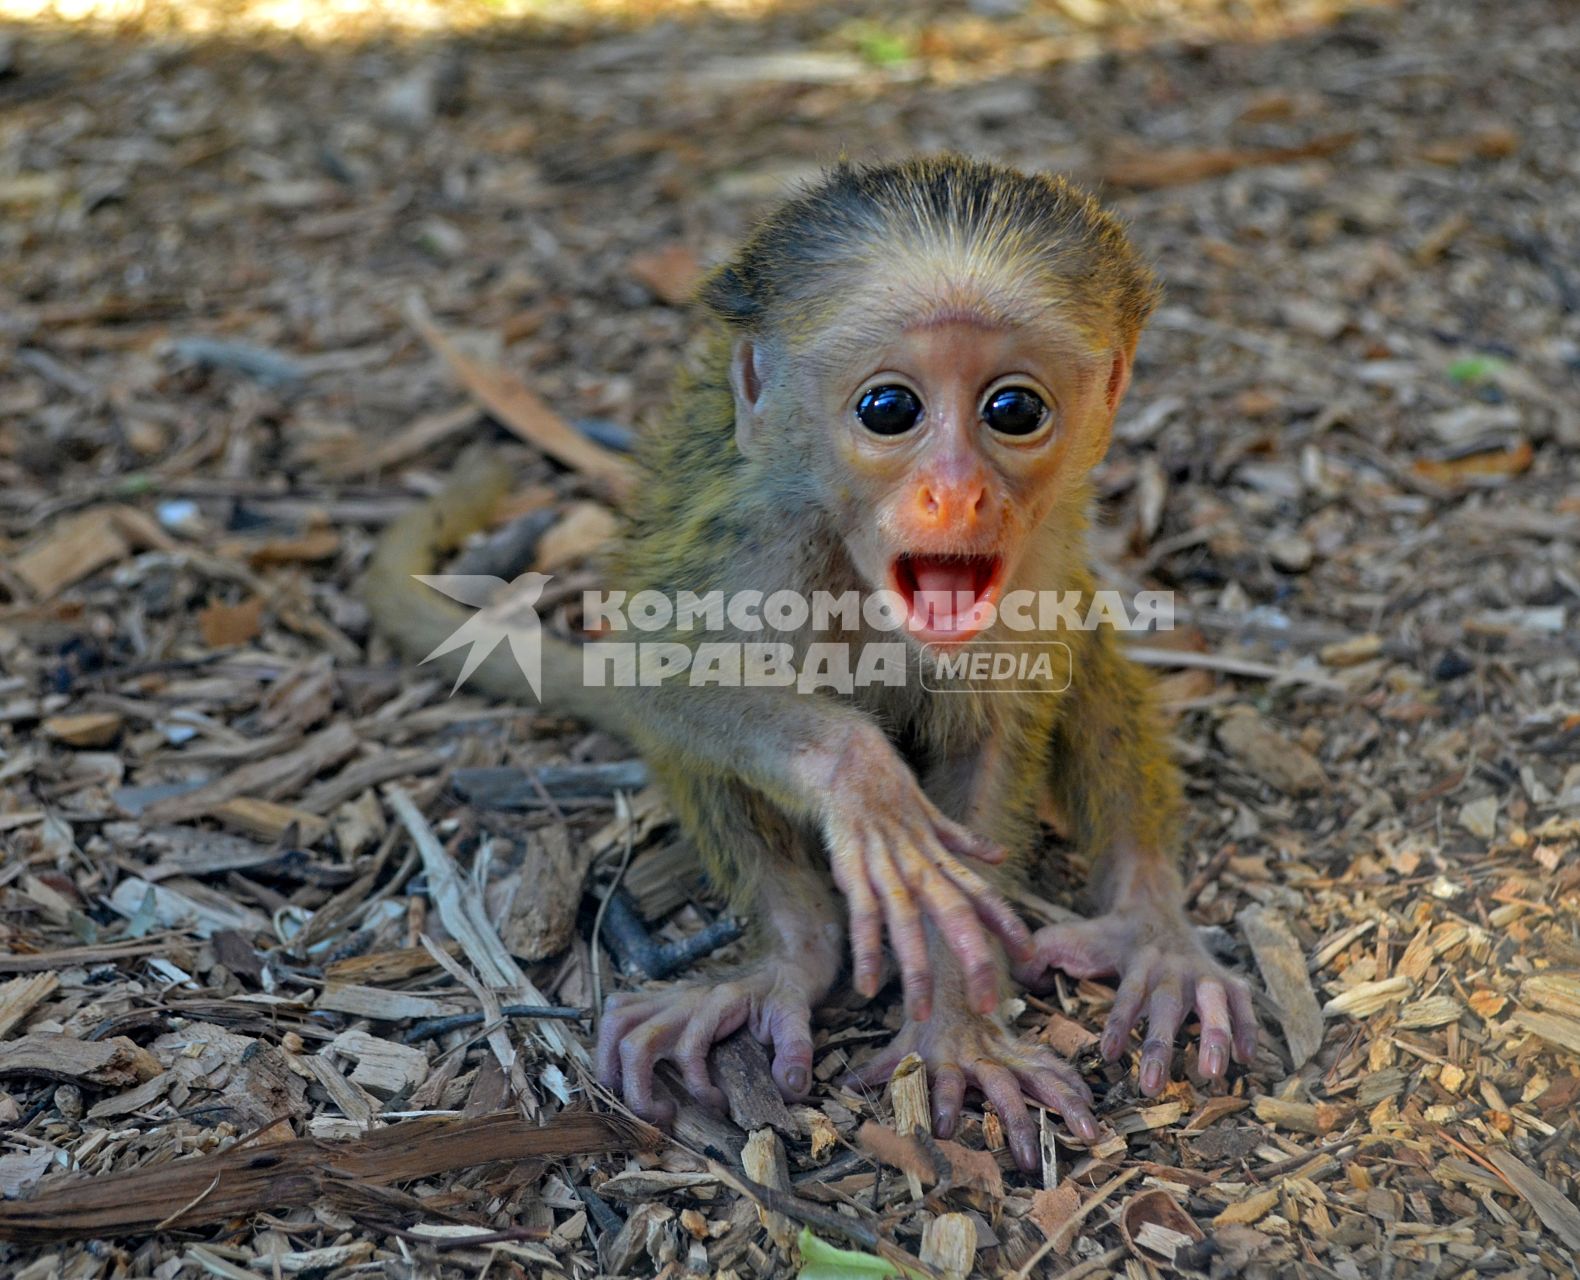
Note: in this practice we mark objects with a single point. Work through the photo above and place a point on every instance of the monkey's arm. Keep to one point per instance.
(893, 853)
(1111, 776)
(993, 787)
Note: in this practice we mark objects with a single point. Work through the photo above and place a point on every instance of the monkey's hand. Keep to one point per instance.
(1164, 972)
(897, 860)
(773, 1002)
(966, 1050)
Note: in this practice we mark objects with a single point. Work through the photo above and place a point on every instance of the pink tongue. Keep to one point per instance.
(944, 591)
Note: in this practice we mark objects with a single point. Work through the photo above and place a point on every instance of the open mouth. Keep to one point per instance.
(948, 599)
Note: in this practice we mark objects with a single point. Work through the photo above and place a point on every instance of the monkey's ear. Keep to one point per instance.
(746, 380)
(1118, 380)
(1113, 393)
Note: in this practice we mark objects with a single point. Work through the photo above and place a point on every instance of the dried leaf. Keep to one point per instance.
(1557, 1212)
(1268, 754)
(1186, 164)
(87, 729)
(1282, 963)
(1492, 143)
(1253, 1208)
(1459, 473)
(70, 551)
(671, 272)
(224, 625)
(523, 411)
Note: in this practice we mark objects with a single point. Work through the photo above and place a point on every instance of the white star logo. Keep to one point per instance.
(504, 613)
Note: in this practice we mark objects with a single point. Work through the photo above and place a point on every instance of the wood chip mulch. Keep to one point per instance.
(296, 967)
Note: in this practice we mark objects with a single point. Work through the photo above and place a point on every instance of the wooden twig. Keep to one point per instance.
(463, 915)
(1150, 657)
(303, 1171)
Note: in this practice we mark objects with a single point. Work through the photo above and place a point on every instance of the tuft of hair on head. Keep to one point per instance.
(1025, 238)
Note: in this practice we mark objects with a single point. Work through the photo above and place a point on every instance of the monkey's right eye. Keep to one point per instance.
(888, 411)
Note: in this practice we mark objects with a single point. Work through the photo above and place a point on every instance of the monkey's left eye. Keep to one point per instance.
(888, 411)
(1014, 411)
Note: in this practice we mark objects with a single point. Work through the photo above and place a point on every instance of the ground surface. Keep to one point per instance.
(1352, 447)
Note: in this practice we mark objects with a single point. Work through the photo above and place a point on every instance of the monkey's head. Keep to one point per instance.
(932, 353)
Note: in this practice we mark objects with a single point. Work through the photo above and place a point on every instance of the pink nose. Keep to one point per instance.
(946, 504)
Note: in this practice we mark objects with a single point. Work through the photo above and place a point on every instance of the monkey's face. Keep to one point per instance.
(945, 445)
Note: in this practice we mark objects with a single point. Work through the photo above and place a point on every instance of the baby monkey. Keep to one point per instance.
(915, 366)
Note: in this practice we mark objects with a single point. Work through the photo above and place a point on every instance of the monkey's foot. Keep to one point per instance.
(966, 1050)
(1164, 972)
(682, 1024)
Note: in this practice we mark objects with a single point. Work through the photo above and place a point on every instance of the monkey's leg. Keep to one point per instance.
(799, 934)
(993, 788)
(1111, 775)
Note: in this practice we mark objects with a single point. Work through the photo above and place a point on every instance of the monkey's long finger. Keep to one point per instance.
(1165, 1013)
(966, 842)
(956, 921)
(1003, 1091)
(949, 1095)
(1212, 1003)
(640, 1051)
(1072, 1100)
(720, 1015)
(1245, 1025)
(789, 1028)
(1047, 1062)
(612, 1030)
(994, 909)
(866, 924)
(907, 937)
(1122, 1018)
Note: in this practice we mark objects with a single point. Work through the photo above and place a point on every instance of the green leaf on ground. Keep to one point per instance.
(823, 1261)
(1476, 370)
(879, 45)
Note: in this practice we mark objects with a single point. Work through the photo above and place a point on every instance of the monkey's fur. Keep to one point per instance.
(719, 509)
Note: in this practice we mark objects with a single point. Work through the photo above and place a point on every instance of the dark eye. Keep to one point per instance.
(888, 411)
(1014, 411)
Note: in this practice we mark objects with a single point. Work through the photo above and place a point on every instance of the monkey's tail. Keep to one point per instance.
(419, 620)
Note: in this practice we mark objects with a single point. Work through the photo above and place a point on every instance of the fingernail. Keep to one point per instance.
(1212, 1063)
(1085, 1128)
(796, 1079)
(945, 1127)
(1111, 1047)
(1151, 1076)
(1026, 1154)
